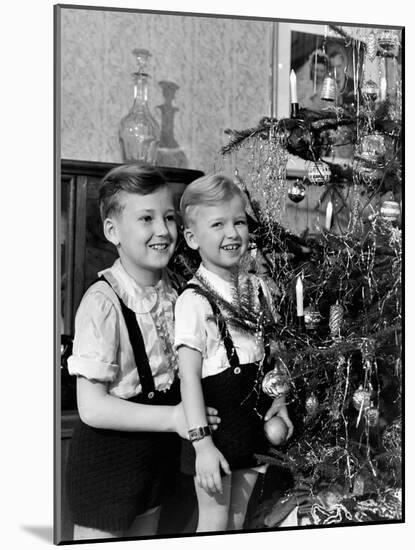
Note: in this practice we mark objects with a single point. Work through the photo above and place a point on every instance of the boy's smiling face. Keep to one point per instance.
(220, 233)
(145, 233)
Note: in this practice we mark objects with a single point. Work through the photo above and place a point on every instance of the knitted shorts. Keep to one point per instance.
(114, 476)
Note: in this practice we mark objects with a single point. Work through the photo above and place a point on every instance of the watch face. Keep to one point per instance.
(199, 433)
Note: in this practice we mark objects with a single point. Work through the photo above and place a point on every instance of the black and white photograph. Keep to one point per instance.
(228, 210)
(231, 274)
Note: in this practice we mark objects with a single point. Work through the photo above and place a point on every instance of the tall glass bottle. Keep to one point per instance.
(139, 130)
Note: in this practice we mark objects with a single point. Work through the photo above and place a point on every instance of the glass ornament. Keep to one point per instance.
(296, 192)
(139, 130)
(329, 88)
(372, 46)
(318, 172)
(372, 415)
(366, 174)
(312, 318)
(361, 398)
(388, 42)
(276, 383)
(311, 404)
(370, 90)
(372, 148)
(390, 211)
(336, 319)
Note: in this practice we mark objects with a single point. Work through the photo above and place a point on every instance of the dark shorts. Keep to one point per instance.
(114, 476)
(241, 431)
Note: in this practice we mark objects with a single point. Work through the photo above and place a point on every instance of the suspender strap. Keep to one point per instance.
(139, 349)
(223, 329)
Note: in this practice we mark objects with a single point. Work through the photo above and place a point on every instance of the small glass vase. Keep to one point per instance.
(139, 130)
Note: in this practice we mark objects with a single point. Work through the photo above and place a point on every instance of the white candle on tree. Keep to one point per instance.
(293, 87)
(382, 88)
(299, 296)
(329, 215)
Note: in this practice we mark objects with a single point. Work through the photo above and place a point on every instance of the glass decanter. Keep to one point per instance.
(139, 130)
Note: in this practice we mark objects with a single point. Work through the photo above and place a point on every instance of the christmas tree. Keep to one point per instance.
(338, 293)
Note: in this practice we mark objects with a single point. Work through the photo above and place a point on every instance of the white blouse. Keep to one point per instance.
(195, 330)
(102, 349)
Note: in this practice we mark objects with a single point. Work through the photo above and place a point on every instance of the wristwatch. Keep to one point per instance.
(199, 433)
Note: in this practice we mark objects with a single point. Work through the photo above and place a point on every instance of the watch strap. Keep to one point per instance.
(198, 433)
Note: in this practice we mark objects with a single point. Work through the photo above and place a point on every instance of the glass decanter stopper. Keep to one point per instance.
(139, 130)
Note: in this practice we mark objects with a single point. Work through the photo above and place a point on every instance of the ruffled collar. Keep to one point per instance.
(141, 299)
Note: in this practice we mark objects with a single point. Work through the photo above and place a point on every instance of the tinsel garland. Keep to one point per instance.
(248, 310)
(303, 136)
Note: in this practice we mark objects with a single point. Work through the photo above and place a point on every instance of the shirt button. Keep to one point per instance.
(237, 370)
(150, 395)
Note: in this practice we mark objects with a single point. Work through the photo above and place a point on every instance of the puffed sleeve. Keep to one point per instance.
(96, 339)
(190, 318)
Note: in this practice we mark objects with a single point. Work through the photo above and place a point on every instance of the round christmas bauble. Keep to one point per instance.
(361, 398)
(336, 319)
(296, 192)
(275, 383)
(370, 90)
(276, 430)
(372, 148)
(366, 174)
(388, 42)
(312, 318)
(311, 404)
(372, 415)
(390, 211)
(318, 172)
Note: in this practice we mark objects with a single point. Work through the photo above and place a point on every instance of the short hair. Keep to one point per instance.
(208, 190)
(131, 178)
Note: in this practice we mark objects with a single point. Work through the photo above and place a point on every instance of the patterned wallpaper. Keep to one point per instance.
(222, 68)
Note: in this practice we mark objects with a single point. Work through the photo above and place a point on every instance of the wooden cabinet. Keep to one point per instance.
(83, 252)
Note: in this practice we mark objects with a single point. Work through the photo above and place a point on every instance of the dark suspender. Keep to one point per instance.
(139, 350)
(223, 329)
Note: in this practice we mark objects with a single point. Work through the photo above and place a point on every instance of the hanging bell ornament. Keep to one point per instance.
(372, 46)
(390, 211)
(370, 90)
(311, 405)
(312, 318)
(318, 172)
(336, 319)
(388, 42)
(328, 89)
(276, 383)
(361, 399)
(372, 415)
(296, 193)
